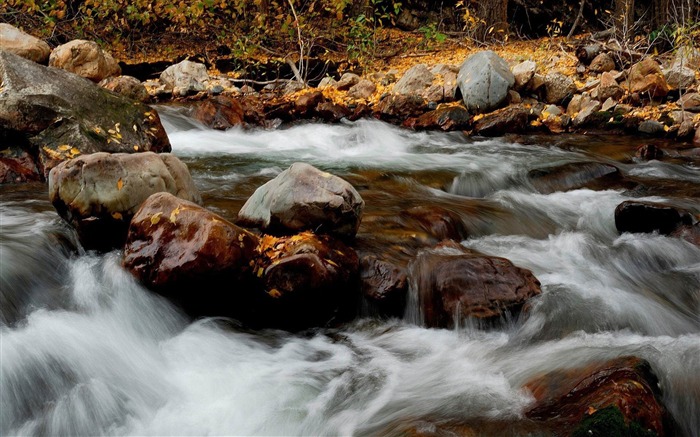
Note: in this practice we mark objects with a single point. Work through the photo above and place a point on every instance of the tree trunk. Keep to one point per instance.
(659, 13)
(624, 18)
(494, 17)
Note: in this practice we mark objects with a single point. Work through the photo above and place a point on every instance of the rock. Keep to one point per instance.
(514, 97)
(512, 119)
(326, 82)
(304, 198)
(572, 176)
(523, 73)
(86, 59)
(646, 77)
(384, 284)
(98, 194)
(646, 217)
(686, 129)
(619, 397)
(399, 107)
(293, 86)
(362, 89)
(415, 81)
(17, 166)
(347, 81)
(127, 86)
(483, 82)
(558, 88)
(608, 105)
(652, 127)
(59, 115)
(586, 113)
(575, 104)
(332, 112)
(445, 118)
(687, 56)
(609, 88)
(445, 70)
(220, 112)
(690, 102)
(690, 234)
(456, 283)
(679, 77)
(191, 255)
(307, 102)
(436, 93)
(438, 222)
(185, 78)
(648, 152)
(307, 281)
(696, 137)
(602, 63)
(22, 44)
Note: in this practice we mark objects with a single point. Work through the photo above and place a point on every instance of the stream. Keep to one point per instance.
(85, 350)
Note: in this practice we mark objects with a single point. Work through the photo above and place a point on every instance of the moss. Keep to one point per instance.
(609, 422)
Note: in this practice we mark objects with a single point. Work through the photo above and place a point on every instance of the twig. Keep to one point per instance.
(578, 18)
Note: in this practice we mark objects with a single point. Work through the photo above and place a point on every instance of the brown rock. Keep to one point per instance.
(400, 107)
(646, 77)
(347, 80)
(438, 222)
(648, 152)
(332, 112)
(558, 88)
(609, 88)
(18, 166)
(646, 217)
(86, 59)
(445, 118)
(602, 63)
(307, 103)
(456, 282)
(572, 176)
(220, 112)
(362, 89)
(127, 86)
(690, 102)
(22, 44)
(690, 234)
(384, 284)
(511, 119)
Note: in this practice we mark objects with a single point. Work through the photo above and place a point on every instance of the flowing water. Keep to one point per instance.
(85, 350)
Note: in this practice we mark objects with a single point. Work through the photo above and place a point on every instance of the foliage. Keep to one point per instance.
(431, 35)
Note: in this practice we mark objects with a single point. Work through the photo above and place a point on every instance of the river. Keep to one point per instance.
(85, 350)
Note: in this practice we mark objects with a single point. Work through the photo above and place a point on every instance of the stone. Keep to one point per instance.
(304, 198)
(455, 283)
(680, 78)
(347, 81)
(86, 59)
(690, 102)
(608, 105)
(326, 82)
(127, 86)
(190, 255)
(438, 222)
(586, 113)
(511, 119)
(446, 118)
(646, 77)
(691, 234)
(17, 166)
(558, 88)
(362, 89)
(220, 112)
(652, 127)
(523, 73)
(332, 112)
(647, 217)
(22, 44)
(483, 82)
(293, 86)
(445, 70)
(647, 152)
(384, 284)
(98, 194)
(696, 137)
(58, 115)
(686, 129)
(609, 88)
(602, 63)
(572, 176)
(399, 107)
(307, 102)
(415, 81)
(185, 77)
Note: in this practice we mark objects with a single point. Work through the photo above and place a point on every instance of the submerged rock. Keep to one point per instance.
(98, 194)
(304, 198)
(645, 217)
(483, 82)
(572, 176)
(454, 283)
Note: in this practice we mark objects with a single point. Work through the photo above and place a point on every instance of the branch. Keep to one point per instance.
(578, 18)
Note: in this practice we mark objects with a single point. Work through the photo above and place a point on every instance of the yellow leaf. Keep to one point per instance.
(331, 263)
(156, 218)
(174, 214)
(120, 184)
(117, 216)
(64, 147)
(74, 152)
(275, 293)
(260, 272)
(136, 148)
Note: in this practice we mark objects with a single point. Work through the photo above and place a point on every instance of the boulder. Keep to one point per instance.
(17, 166)
(619, 397)
(558, 88)
(347, 81)
(438, 222)
(584, 116)
(609, 88)
(304, 198)
(399, 107)
(646, 217)
(415, 81)
(57, 115)
(362, 89)
(98, 194)
(652, 127)
(332, 112)
(602, 63)
(306, 281)
(384, 285)
(220, 112)
(190, 255)
(444, 118)
(647, 152)
(22, 44)
(523, 73)
(646, 77)
(690, 102)
(306, 103)
(483, 81)
(86, 59)
(127, 86)
(454, 283)
(573, 176)
(679, 77)
(512, 119)
(185, 78)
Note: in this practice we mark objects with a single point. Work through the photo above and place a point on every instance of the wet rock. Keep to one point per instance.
(17, 166)
(617, 397)
(512, 119)
(602, 63)
(86, 59)
(332, 112)
(415, 81)
(647, 152)
(483, 82)
(609, 88)
(652, 127)
(306, 103)
(384, 285)
(185, 78)
(127, 86)
(690, 234)
(696, 138)
(514, 98)
(686, 129)
(646, 77)
(438, 222)
(646, 217)
(59, 115)
(456, 283)
(585, 115)
(347, 81)
(558, 88)
(191, 255)
(399, 107)
(307, 281)
(220, 112)
(304, 198)
(573, 176)
(523, 73)
(99, 193)
(22, 44)
(362, 89)
(445, 118)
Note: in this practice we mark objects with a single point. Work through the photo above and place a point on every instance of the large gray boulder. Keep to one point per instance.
(483, 81)
(185, 78)
(99, 193)
(54, 115)
(304, 198)
(86, 59)
(22, 44)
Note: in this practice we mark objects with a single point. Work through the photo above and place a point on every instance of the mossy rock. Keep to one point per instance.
(610, 422)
